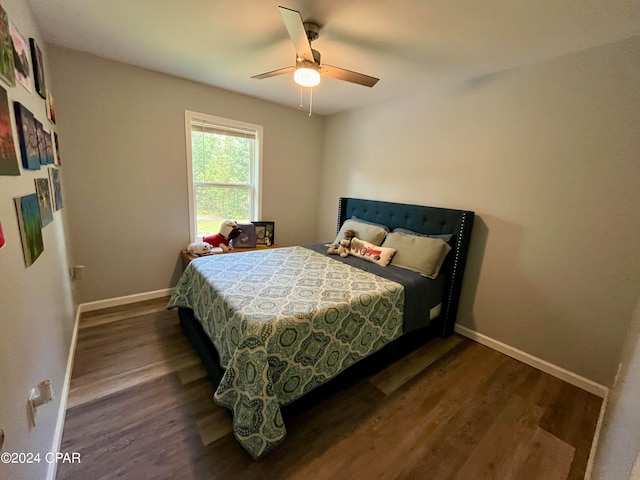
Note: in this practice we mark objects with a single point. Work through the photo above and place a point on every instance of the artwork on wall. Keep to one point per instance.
(28, 137)
(1, 237)
(51, 111)
(30, 232)
(44, 201)
(42, 145)
(21, 58)
(48, 147)
(54, 176)
(8, 158)
(7, 68)
(56, 147)
(265, 231)
(38, 68)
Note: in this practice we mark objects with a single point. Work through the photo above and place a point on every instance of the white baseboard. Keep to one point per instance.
(64, 396)
(117, 301)
(550, 368)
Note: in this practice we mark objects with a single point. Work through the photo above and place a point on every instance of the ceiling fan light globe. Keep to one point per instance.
(306, 77)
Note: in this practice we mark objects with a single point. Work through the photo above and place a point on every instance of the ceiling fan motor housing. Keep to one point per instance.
(316, 58)
(312, 29)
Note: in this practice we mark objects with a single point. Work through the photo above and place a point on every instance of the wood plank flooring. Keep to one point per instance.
(141, 407)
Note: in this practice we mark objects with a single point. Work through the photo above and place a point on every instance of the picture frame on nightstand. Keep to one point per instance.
(265, 232)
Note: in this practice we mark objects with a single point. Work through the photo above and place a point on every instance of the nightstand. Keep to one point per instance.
(187, 257)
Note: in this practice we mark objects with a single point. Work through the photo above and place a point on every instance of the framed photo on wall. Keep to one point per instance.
(265, 233)
(38, 68)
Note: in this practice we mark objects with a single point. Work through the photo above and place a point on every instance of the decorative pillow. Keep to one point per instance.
(420, 254)
(380, 255)
(247, 238)
(364, 231)
(447, 237)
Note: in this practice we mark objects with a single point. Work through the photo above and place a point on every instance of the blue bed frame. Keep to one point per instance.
(426, 220)
(421, 219)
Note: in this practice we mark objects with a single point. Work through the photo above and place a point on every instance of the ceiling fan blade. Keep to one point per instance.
(347, 75)
(273, 73)
(295, 27)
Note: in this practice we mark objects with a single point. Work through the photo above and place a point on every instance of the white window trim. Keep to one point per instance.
(256, 170)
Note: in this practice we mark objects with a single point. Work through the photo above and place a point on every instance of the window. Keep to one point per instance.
(224, 159)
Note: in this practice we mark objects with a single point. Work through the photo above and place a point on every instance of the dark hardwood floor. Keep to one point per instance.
(141, 407)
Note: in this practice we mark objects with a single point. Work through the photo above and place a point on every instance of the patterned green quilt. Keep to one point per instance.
(283, 322)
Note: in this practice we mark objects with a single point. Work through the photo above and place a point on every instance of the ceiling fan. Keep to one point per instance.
(308, 69)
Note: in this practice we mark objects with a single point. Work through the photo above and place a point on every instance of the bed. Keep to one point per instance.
(272, 326)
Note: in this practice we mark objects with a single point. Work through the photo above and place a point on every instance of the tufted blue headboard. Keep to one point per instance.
(428, 220)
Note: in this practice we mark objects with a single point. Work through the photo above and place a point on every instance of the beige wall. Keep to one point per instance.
(547, 155)
(123, 139)
(36, 303)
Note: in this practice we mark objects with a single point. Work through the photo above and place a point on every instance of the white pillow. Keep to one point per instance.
(373, 253)
(365, 231)
(420, 254)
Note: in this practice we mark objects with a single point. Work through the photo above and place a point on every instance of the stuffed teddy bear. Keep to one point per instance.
(342, 247)
(199, 248)
(228, 231)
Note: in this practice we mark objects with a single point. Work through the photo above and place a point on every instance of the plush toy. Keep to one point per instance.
(228, 231)
(199, 248)
(342, 247)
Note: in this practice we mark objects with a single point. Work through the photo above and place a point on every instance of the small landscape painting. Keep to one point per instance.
(8, 158)
(30, 232)
(7, 72)
(44, 201)
(54, 176)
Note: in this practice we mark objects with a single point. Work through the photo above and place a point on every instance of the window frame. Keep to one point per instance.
(255, 175)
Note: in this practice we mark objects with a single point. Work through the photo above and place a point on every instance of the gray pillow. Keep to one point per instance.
(386, 229)
(364, 231)
(447, 237)
(420, 254)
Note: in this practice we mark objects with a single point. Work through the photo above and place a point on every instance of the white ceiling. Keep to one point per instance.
(409, 45)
